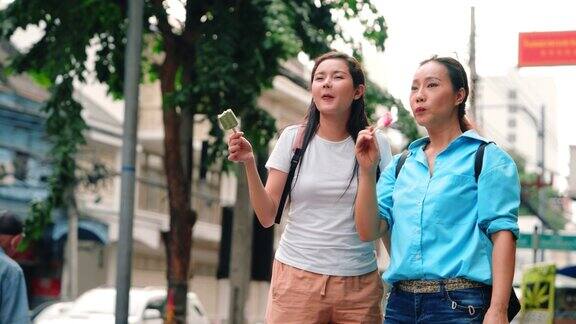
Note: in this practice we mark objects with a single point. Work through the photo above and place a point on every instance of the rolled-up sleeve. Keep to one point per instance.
(499, 198)
(385, 190)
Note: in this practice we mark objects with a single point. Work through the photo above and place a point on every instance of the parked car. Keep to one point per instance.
(50, 310)
(97, 306)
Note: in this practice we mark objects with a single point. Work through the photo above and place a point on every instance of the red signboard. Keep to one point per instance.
(547, 48)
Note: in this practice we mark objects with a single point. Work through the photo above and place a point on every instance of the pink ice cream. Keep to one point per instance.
(384, 121)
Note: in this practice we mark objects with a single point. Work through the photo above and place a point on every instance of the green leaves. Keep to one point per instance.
(225, 54)
(64, 127)
(366, 13)
(35, 223)
(69, 28)
(377, 32)
(375, 96)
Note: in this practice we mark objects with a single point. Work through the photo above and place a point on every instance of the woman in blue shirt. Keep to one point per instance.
(452, 236)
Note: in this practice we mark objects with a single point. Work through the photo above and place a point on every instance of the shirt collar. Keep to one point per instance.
(424, 140)
(474, 135)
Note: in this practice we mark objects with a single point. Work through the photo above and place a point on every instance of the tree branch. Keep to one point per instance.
(194, 10)
(162, 18)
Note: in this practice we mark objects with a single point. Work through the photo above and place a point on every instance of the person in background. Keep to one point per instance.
(452, 235)
(13, 298)
(323, 272)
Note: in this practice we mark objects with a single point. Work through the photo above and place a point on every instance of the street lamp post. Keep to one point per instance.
(131, 84)
(541, 191)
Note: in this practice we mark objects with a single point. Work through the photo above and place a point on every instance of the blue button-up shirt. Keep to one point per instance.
(13, 300)
(441, 224)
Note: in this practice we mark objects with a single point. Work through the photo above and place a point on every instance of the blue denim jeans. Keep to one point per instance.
(457, 306)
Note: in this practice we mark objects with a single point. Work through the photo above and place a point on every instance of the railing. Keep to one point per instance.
(153, 196)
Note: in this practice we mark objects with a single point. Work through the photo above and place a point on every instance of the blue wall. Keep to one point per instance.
(22, 139)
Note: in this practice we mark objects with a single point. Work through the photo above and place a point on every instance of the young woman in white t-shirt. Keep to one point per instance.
(322, 272)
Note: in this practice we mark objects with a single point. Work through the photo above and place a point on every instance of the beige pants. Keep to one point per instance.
(302, 297)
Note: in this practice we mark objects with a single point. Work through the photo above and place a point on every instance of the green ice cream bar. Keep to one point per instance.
(227, 119)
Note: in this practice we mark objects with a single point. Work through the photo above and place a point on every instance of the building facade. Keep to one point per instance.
(509, 111)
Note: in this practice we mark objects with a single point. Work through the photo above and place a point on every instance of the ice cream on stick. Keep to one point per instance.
(228, 120)
(384, 121)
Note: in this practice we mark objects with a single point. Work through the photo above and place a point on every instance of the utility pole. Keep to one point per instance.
(240, 251)
(535, 243)
(540, 125)
(542, 203)
(131, 89)
(475, 116)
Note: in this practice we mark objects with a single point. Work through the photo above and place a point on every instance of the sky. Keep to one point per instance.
(417, 30)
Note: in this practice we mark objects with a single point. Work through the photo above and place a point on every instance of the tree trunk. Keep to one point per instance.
(72, 213)
(187, 149)
(241, 251)
(179, 238)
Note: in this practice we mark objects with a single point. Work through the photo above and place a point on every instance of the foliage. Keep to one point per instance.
(405, 124)
(230, 52)
(208, 56)
(64, 127)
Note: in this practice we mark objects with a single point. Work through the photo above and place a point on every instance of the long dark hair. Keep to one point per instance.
(459, 80)
(357, 120)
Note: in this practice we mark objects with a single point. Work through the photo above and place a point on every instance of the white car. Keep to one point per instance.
(50, 310)
(97, 306)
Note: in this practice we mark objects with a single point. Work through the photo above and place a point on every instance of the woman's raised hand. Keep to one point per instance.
(239, 149)
(367, 152)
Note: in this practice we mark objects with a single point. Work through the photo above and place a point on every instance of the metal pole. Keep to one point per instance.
(535, 243)
(131, 84)
(473, 74)
(542, 204)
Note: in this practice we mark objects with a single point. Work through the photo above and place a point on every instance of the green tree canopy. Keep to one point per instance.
(208, 56)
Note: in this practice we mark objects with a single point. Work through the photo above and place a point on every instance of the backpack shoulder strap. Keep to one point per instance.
(479, 159)
(401, 161)
(299, 139)
(297, 149)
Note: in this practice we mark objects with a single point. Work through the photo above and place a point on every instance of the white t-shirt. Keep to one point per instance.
(320, 234)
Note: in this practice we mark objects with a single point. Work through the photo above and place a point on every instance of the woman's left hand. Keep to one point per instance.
(367, 152)
(495, 316)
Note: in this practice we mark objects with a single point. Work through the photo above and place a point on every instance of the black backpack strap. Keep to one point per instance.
(297, 147)
(401, 161)
(293, 165)
(479, 160)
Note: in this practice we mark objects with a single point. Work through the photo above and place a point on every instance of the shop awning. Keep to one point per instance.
(88, 229)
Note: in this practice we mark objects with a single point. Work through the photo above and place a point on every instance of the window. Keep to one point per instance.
(20, 162)
(512, 138)
(203, 160)
(512, 122)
